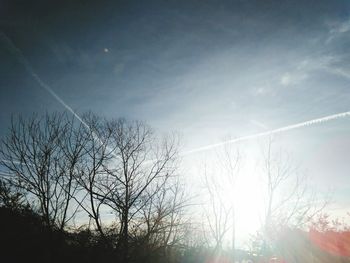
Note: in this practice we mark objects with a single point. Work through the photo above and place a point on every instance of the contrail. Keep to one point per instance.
(267, 133)
(19, 55)
(17, 52)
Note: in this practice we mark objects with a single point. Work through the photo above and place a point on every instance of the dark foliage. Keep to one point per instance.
(26, 238)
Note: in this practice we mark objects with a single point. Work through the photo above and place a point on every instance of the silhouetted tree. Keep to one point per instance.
(62, 166)
(141, 162)
(10, 197)
(163, 217)
(34, 153)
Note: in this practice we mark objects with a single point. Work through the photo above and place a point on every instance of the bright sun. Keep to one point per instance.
(247, 198)
(247, 203)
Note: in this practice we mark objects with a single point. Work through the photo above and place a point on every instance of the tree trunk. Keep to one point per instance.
(125, 238)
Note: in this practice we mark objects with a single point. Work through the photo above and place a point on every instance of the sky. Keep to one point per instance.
(206, 69)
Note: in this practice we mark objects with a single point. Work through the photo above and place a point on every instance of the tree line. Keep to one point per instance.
(116, 184)
(117, 172)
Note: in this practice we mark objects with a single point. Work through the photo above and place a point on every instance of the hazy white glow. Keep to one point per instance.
(247, 199)
(244, 194)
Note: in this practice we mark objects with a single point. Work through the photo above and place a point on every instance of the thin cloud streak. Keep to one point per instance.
(19, 55)
(259, 124)
(267, 133)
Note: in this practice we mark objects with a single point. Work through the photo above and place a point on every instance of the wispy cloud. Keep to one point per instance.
(293, 78)
(338, 29)
(259, 124)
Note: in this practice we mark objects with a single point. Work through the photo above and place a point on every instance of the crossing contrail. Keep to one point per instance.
(20, 57)
(17, 52)
(270, 132)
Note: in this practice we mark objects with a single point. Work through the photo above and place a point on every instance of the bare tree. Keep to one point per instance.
(289, 200)
(230, 159)
(217, 212)
(141, 162)
(123, 168)
(220, 185)
(163, 217)
(95, 165)
(96, 152)
(33, 153)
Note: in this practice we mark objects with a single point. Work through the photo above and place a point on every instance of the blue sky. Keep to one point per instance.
(206, 69)
(182, 64)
